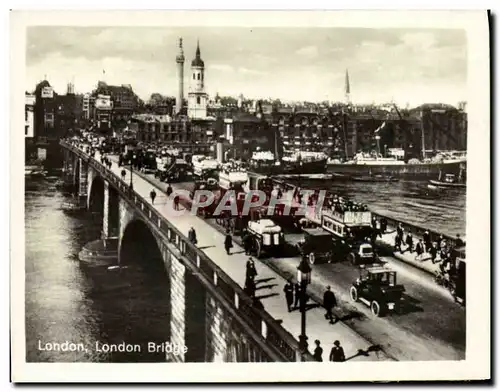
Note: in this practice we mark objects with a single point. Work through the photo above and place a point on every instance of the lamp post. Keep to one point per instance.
(131, 175)
(303, 278)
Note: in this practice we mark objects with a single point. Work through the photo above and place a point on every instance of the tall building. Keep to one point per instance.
(197, 98)
(86, 106)
(180, 74)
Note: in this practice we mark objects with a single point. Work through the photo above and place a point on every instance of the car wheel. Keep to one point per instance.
(312, 258)
(352, 258)
(375, 308)
(354, 294)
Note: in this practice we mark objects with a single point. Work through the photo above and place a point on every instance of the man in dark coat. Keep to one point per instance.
(318, 352)
(228, 242)
(383, 225)
(152, 194)
(419, 249)
(247, 242)
(249, 287)
(397, 243)
(409, 241)
(169, 190)
(192, 236)
(337, 353)
(288, 289)
(427, 241)
(329, 302)
(250, 269)
(399, 230)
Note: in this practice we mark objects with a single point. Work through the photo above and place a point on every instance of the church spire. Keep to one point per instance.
(347, 87)
(198, 62)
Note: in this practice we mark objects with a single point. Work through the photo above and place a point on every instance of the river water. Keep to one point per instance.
(67, 301)
(442, 210)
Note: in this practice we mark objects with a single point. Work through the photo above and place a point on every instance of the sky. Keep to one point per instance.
(408, 66)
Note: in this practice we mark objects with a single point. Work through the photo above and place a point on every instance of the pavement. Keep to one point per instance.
(431, 326)
(270, 284)
(424, 262)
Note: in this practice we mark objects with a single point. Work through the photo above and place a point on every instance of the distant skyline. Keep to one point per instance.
(405, 65)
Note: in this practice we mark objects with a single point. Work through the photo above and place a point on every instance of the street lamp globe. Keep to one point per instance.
(304, 272)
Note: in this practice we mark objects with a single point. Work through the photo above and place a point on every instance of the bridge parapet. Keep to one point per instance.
(267, 332)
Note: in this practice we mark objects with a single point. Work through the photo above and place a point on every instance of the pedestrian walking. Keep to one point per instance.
(288, 290)
(152, 194)
(419, 249)
(192, 236)
(318, 351)
(251, 272)
(329, 302)
(383, 226)
(297, 291)
(427, 241)
(169, 190)
(228, 242)
(176, 203)
(399, 230)
(397, 243)
(433, 252)
(337, 353)
(409, 241)
(123, 173)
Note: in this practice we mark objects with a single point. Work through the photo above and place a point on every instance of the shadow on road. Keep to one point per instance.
(264, 280)
(258, 297)
(352, 315)
(366, 353)
(206, 247)
(267, 286)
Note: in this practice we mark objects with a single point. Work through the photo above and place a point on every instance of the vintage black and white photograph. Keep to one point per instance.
(208, 192)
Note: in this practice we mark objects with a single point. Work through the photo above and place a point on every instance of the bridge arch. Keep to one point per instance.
(139, 246)
(96, 196)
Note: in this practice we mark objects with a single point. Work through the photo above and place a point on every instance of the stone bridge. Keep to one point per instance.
(209, 313)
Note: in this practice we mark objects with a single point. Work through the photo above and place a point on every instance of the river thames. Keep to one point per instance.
(66, 301)
(69, 302)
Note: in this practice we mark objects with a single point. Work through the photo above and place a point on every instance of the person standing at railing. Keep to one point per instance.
(409, 241)
(427, 241)
(123, 174)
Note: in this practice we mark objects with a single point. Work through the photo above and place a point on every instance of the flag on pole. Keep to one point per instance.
(380, 128)
(347, 85)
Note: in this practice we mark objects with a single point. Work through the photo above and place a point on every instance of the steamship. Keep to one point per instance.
(292, 162)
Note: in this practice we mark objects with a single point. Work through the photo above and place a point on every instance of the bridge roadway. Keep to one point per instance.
(430, 327)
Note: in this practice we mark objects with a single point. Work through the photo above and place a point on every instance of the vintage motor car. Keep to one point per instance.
(317, 245)
(377, 288)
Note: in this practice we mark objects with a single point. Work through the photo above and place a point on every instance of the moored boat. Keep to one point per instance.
(449, 181)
